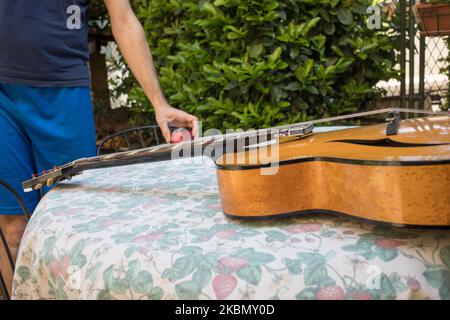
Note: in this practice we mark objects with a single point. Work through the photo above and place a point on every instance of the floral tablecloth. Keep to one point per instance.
(156, 231)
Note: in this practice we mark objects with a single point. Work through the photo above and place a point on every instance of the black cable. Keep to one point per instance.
(8, 252)
(4, 289)
(18, 198)
(2, 236)
(11, 263)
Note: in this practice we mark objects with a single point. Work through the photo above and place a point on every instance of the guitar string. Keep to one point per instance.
(255, 133)
(246, 134)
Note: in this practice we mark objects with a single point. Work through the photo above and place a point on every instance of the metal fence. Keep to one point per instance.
(422, 61)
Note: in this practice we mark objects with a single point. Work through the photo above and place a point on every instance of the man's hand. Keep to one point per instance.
(132, 42)
(168, 116)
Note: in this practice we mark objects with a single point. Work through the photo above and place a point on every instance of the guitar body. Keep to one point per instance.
(401, 179)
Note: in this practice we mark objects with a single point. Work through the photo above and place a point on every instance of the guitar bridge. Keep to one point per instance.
(393, 125)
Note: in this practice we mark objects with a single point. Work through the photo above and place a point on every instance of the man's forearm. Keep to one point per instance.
(130, 36)
(132, 42)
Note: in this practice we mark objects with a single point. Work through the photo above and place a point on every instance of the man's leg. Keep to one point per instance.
(16, 165)
(52, 126)
(12, 228)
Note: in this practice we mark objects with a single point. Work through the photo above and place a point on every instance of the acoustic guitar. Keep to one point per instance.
(396, 172)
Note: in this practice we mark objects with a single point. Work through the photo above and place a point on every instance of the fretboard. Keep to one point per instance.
(217, 146)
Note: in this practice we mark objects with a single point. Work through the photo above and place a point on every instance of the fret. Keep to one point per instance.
(158, 148)
(179, 146)
(107, 157)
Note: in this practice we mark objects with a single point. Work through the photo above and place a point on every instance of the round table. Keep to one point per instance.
(156, 231)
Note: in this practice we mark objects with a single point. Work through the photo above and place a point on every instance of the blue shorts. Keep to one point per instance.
(41, 128)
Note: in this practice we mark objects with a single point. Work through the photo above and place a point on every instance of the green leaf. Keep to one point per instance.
(233, 35)
(132, 270)
(92, 271)
(271, 6)
(251, 274)
(294, 266)
(343, 64)
(77, 249)
(119, 286)
(188, 290)
(315, 272)
(247, 233)
(445, 256)
(397, 283)
(107, 277)
(189, 250)
(325, 14)
(293, 86)
(307, 294)
(359, 8)
(182, 267)
(140, 229)
(121, 238)
(49, 244)
(210, 8)
(319, 41)
(345, 16)
(362, 247)
(79, 261)
(386, 254)
(439, 278)
(308, 26)
(312, 89)
(274, 235)
(275, 55)
(104, 295)
(327, 233)
(130, 251)
(303, 71)
(202, 278)
(143, 283)
(395, 233)
(156, 294)
(329, 28)
(207, 262)
(256, 50)
(24, 273)
(387, 290)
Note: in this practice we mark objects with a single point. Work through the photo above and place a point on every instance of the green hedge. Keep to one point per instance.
(259, 63)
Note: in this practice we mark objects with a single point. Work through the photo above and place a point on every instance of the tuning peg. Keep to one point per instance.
(50, 182)
(38, 186)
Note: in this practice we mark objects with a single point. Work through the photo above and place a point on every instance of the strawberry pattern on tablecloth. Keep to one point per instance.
(156, 231)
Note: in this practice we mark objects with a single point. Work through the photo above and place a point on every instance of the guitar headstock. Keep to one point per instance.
(48, 178)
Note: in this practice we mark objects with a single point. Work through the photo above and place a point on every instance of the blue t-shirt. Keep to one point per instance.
(44, 43)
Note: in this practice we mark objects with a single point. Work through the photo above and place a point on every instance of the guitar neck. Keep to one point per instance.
(123, 159)
(217, 146)
(213, 147)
